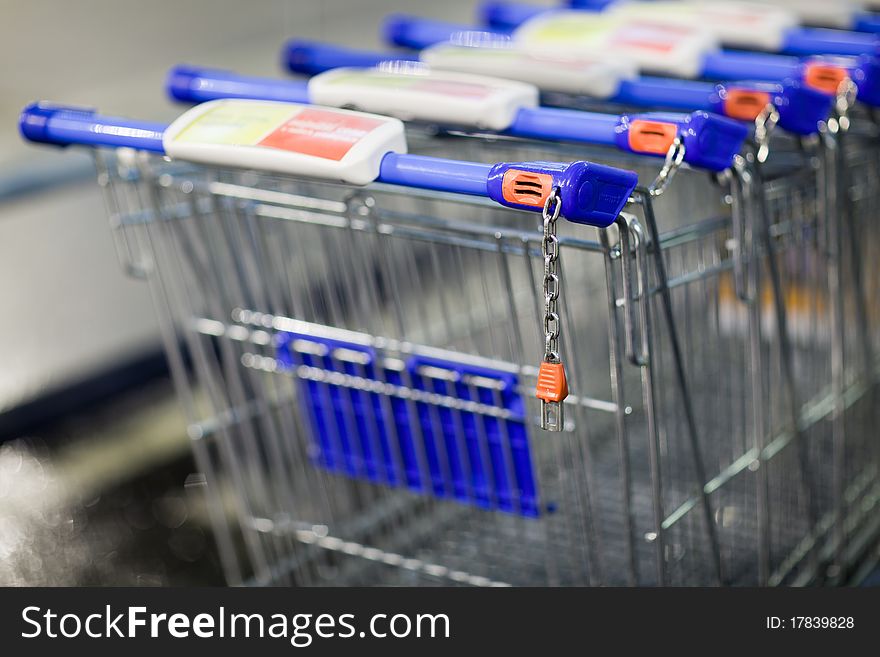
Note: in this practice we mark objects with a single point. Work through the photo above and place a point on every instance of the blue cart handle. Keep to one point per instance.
(815, 72)
(800, 108)
(711, 141)
(193, 84)
(419, 33)
(311, 57)
(507, 16)
(866, 22)
(729, 65)
(589, 193)
(504, 16)
(590, 5)
(64, 125)
(818, 41)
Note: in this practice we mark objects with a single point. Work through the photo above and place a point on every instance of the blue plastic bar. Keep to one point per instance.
(590, 5)
(311, 58)
(419, 33)
(562, 124)
(669, 93)
(646, 92)
(507, 16)
(191, 84)
(818, 41)
(728, 65)
(435, 173)
(531, 122)
(590, 193)
(64, 125)
(649, 92)
(866, 22)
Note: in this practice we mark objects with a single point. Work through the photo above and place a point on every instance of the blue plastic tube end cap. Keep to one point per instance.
(395, 28)
(183, 79)
(33, 122)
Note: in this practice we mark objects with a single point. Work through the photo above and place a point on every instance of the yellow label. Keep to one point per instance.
(567, 28)
(235, 124)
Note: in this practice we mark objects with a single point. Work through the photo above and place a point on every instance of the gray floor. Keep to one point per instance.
(106, 497)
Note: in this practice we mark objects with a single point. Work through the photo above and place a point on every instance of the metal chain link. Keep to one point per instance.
(765, 122)
(550, 252)
(840, 121)
(674, 158)
(845, 98)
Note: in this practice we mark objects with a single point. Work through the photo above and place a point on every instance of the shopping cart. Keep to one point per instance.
(367, 358)
(834, 171)
(836, 168)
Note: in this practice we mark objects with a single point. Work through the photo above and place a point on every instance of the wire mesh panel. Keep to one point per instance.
(359, 368)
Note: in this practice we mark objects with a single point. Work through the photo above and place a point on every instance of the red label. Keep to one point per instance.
(721, 16)
(452, 88)
(328, 135)
(650, 36)
(646, 45)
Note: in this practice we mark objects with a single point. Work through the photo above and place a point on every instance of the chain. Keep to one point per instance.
(846, 98)
(550, 252)
(765, 122)
(840, 122)
(674, 159)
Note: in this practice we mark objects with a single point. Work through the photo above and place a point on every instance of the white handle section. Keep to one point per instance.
(653, 47)
(596, 76)
(316, 142)
(733, 23)
(414, 92)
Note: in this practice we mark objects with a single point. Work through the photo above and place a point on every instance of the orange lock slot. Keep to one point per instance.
(745, 105)
(653, 137)
(826, 78)
(526, 187)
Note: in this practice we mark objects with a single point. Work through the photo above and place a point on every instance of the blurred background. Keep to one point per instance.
(95, 473)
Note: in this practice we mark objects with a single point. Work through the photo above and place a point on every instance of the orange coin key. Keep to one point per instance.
(552, 384)
(552, 390)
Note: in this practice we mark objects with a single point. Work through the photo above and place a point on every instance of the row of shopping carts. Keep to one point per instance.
(358, 314)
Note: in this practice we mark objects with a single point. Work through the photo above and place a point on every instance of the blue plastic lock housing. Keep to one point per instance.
(710, 141)
(800, 108)
(591, 193)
